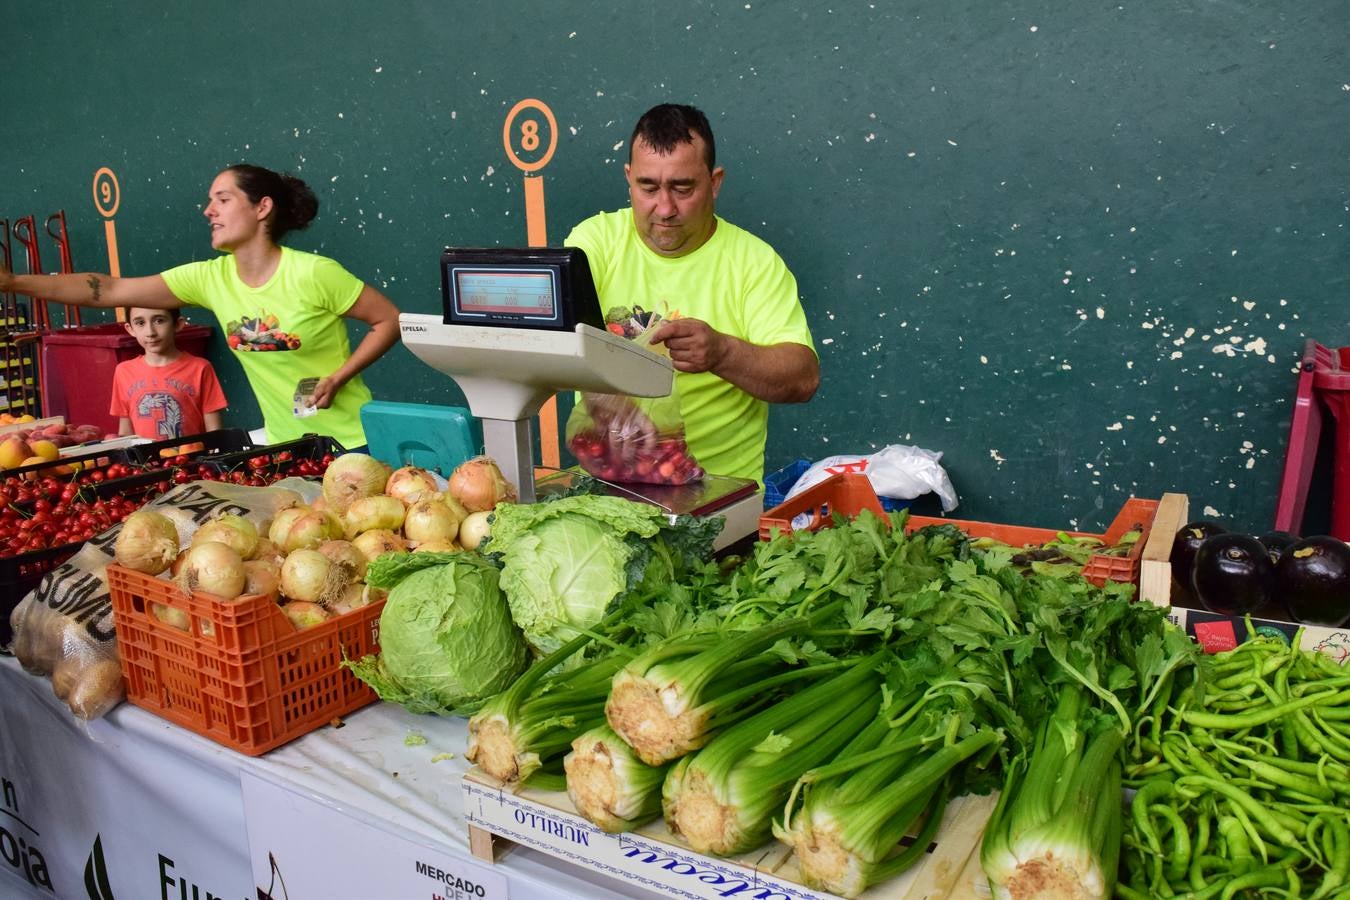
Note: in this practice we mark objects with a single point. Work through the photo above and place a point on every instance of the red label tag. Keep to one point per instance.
(1216, 637)
(856, 468)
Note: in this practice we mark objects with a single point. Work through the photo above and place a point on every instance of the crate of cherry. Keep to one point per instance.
(229, 456)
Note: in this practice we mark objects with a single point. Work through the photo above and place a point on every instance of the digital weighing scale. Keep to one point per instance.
(520, 325)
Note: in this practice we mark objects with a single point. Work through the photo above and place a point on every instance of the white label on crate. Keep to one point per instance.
(654, 865)
(302, 848)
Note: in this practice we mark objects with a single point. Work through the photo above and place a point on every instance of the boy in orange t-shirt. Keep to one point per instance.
(166, 393)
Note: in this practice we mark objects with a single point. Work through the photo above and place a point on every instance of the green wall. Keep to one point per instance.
(1077, 247)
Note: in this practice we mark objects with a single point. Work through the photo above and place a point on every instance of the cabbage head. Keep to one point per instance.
(568, 560)
(447, 641)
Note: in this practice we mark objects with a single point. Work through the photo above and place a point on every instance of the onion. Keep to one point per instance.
(455, 506)
(370, 513)
(480, 485)
(262, 576)
(171, 616)
(310, 576)
(355, 596)
(214, 568)
(148, 542)
(373, 543)
(351, 477)
(282, 521)
(430, 520)
(411, 484)
(438, 546)
(343, 553)
(269, 551)
(311, 529)
(238, 532)
(475, 529)
(304, 614)
(285, 498)
(176, 567)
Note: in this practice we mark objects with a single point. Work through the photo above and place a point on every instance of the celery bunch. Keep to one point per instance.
(1057, 827)
(723, 798)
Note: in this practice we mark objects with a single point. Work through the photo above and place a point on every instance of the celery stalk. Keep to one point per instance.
(609, 785)
(532, 724)
(853, 816)
(722, 799)
(1053, 829)
(663, 703)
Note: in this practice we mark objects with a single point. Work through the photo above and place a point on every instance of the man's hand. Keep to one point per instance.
(693, 344)
(777, 373)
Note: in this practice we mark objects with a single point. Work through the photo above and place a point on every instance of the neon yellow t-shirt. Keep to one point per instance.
(288, 329)
(738, 285)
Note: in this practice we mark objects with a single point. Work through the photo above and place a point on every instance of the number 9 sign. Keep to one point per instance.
(107, 196)
(530, 135)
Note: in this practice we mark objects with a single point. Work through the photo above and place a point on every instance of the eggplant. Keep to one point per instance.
(1233, 574)
(1313, 578)
(1276, 542)
(1188, 539)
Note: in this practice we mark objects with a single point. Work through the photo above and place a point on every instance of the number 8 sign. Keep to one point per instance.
(526, 147)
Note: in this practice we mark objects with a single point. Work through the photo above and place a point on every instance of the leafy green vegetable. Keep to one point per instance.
(566, 561)
(446, 638)
(388, 569)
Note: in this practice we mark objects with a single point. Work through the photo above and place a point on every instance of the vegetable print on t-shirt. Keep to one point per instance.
(262, 332)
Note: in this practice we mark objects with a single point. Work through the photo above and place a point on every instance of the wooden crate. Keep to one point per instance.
(1213, 631)
(653, 858)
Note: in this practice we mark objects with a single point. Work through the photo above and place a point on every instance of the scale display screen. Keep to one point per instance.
(528, 294)
(537, 287)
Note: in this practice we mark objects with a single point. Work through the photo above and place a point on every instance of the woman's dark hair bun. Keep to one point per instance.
(294, 205)
(303, 205)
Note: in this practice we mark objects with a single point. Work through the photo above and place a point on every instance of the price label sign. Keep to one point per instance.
(530, 134)
(107, 197)
(302, 848)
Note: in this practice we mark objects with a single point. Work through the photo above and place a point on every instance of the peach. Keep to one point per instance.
(45, 449)
(13, 451)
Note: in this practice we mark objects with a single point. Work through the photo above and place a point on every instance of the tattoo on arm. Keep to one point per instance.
(96, 287)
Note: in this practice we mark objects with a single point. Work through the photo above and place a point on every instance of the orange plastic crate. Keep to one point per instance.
(243, 676)
(850, 494)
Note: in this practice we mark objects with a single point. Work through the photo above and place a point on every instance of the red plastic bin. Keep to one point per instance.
(76, 368)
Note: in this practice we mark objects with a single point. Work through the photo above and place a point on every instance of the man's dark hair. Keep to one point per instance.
(667, 125)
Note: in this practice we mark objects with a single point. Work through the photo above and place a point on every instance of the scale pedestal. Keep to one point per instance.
(523, 325)
(506, 374)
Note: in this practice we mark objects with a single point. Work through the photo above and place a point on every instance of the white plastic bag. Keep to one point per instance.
(64, 627)
(898, 471)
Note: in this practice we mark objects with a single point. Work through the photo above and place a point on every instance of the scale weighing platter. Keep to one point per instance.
(739, 500)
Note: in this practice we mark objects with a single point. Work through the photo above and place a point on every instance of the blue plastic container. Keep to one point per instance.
(437, 438)
(777, 484)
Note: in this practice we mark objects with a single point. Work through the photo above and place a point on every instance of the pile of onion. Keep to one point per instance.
(312, 558)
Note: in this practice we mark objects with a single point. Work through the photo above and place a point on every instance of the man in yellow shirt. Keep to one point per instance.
(740, 339)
